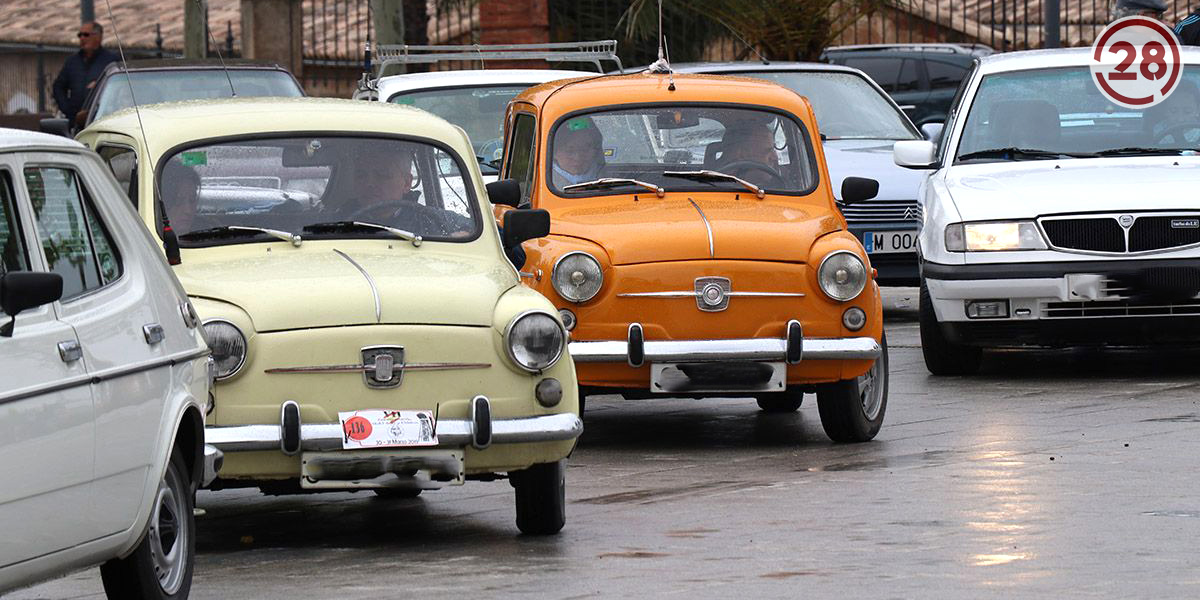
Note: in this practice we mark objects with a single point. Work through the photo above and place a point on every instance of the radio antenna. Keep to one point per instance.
(663, 64)
(170, 242)
(216, 47)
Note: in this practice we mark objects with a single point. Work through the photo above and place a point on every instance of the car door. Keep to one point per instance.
(119, 327)
(47, 436)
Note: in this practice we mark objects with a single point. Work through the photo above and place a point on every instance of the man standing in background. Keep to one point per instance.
(81, 70)
(1188, 30)
(1153, 9)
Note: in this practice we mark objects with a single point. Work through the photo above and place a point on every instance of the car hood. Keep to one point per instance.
(1012, 190)
(777, 228)
(316, 285)
(871, 159)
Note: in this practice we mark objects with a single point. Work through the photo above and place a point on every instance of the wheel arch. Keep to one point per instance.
(189, 441)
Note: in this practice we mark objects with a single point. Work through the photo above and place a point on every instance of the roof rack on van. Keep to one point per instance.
(594, 52)
(964, 48)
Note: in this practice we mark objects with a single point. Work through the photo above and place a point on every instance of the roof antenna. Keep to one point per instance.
(746, 44)
(216, 47)
(170, 241)
(663, 64)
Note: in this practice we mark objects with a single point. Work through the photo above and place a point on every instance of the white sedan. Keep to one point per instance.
(1054, 217)
(104, 381)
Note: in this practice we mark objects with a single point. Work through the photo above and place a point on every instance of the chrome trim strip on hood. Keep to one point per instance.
(371, 282)
(368, 368)
(695, 294)
(711, 250)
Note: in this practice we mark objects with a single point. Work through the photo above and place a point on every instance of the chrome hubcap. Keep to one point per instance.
(870, 387)
(170, 533)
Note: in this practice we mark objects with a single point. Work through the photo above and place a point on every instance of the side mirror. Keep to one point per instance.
(525, 224)
(60, 127)
(504, 191)
(915, 154)
(932, 131)
(23, 290)
(857, 189)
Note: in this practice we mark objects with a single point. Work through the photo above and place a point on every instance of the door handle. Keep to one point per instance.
(153, 333)
(70, 351)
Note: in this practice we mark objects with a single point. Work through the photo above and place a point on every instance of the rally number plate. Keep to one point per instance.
(387, 429)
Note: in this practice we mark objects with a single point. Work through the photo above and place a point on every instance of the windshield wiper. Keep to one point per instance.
(706, 175)
(407, 236)
(1141, 150)
(290, 238)
(615, 182)
(1022, 154)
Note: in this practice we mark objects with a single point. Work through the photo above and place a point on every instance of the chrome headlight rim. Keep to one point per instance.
(554, 273)
(245, 344)
(861, 287)
(508, 348)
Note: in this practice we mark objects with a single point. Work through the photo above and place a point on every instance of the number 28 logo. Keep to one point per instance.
(1136, 63)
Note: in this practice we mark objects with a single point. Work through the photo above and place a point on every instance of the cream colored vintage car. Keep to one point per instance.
(367, 329)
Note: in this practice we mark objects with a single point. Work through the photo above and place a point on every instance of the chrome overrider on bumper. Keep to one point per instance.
(480, 431)
(793, 349)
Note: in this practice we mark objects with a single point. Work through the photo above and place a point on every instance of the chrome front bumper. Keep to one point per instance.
(793, 349)
(213, 459)
(451, 433)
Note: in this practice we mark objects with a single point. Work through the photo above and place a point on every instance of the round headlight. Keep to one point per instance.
(842, 275)
(228, 347)
(577, 277)
(535, 341)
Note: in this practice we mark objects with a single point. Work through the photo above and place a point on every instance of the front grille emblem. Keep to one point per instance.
(712, 293)
(1126, 221)
(383, 366)
(910, 214)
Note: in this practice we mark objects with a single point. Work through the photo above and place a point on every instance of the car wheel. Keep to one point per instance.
(943, 357)
(541, 498)
(852, 410)
(161, 565)
(784, 402)
(398, 493)
(582, 401)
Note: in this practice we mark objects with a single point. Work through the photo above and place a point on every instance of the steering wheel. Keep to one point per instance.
(1176, 132)
(740, 166)
(418, 218)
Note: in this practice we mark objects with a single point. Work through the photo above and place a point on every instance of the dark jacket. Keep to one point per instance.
(70, 87)
(1188, 30)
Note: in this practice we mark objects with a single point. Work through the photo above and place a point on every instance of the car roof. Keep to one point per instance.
(159, 64)
(393, 84)
(748, 65)
(21, 139)
(171, 124)
(1057, 57)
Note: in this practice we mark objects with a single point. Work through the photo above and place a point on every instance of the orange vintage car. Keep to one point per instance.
(695, 246)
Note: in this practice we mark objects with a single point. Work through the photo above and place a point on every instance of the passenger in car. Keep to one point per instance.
(180, 189)
(578, 152)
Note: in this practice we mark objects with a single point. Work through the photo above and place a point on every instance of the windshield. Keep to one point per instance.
(317, 187)
(1050, 112)
(478, 110)
(646, 144)
(191, 84)
(847, 107)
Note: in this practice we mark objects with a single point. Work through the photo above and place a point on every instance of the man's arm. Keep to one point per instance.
(60, 91)
(1188, 30)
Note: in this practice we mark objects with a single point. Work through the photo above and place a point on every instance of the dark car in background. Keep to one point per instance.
(921, 78)
(858, 125)
(175, 79)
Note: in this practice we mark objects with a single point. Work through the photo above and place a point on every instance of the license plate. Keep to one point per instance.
(387, 429)
(887, 242)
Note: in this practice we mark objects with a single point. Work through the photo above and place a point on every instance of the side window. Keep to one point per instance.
(123, 163)
(944, 75)
(885, 71)
(13, 256)
(909, 80)
(75, 242)
(521, 153)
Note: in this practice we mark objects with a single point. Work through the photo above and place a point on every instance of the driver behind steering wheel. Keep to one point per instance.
(1177, 118)
(749, 141)
(383, 193)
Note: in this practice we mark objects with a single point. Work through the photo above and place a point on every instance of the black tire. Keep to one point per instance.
(398, 493)
(943, 357)
(161, 566)
(784, 402)
(541, 498)
(852, 410)
(582, 401)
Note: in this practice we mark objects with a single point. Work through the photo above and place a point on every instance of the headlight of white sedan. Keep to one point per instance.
(535, 341)
(842, 275)
(993, 237)
(577, 277)
(228, 345)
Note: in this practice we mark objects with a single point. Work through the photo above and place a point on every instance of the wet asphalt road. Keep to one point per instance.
(1051, 474)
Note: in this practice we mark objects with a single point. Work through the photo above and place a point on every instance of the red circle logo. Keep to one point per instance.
(1136, 63)
(357, 428)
